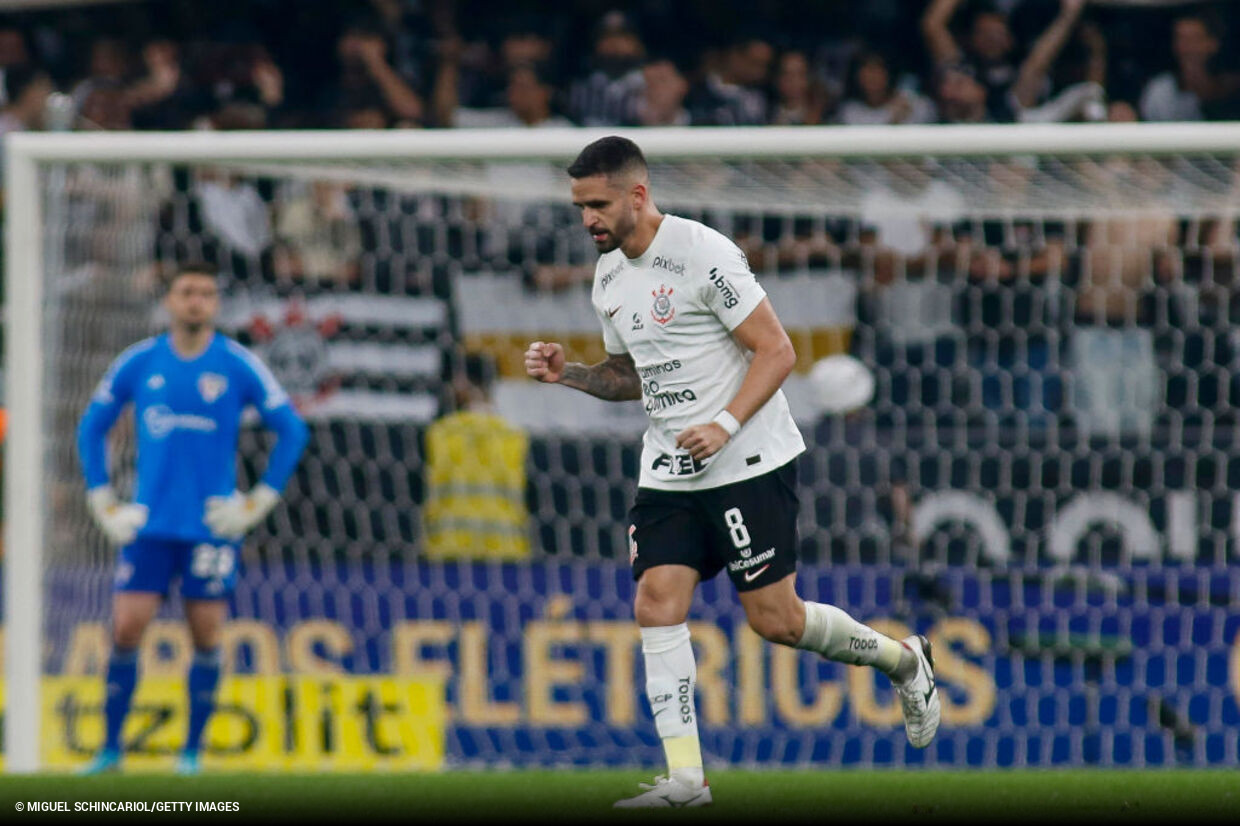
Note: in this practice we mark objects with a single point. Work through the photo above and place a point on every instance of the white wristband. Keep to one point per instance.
(728, 422)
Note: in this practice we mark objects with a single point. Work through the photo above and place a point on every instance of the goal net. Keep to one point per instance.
(1044, 481)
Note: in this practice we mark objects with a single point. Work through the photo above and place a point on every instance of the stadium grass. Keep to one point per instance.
(572, 796)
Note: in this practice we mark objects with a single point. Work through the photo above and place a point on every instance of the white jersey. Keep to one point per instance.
(673, 310)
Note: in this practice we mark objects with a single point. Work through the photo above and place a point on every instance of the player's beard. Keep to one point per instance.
(617, 235)
(194, 328)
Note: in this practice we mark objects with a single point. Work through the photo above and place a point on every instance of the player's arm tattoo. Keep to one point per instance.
(614, 379)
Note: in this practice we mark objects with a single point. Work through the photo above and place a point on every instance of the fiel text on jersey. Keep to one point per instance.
(679, 464)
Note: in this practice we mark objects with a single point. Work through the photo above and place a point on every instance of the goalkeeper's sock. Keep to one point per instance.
(837, 636)
(671, 677)
(204, 676)
(121, 679)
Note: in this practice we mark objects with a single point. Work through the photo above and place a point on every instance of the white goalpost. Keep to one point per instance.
(771, 171)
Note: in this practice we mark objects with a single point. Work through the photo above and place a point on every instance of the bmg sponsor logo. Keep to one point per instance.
(725, 288)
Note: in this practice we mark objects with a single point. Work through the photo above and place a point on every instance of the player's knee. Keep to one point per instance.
(205, 639)
(653, 611)
(127, 633)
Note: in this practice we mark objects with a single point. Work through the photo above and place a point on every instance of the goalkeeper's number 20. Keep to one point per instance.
(212, 562)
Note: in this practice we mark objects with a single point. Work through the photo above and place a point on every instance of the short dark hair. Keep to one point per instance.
(1211, 21)
(193, 267)
(17, 79)
(607, 156)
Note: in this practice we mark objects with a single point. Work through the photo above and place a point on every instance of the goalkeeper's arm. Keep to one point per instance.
(234, 516)
(119, 521)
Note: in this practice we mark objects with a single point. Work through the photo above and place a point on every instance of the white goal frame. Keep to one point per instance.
(27, 154)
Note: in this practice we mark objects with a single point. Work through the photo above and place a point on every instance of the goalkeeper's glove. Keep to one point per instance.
(232, 517)
(119, 521)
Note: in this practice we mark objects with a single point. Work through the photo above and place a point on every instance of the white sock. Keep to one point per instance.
(837, 636)
(671, 677)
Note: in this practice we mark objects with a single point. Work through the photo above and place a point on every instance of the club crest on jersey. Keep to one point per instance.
(662, 311)
(212, 386)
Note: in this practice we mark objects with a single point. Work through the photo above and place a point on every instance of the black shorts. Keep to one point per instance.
(749, 527)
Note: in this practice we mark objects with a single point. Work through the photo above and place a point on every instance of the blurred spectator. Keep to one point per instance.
(365, 117)
(109, 66)
(1187, 92)
(606, 94)
(908, 255)
(26, 89)
(482, 73)
(988, 56)
(1008, 263)
(790, 244)
(106, 106)
(1033, 87)
(870, 97)
(471, 76)
(236, 223)
(316, 233)
(163, 98)
(242, 84)
(800, 98)
(1115, 388)
(405, 25)
(367, 81)
(13, 53)
(1011, 93)
(1122, 111)
(529, 104)
(959, 96)
(237, 115)
(414, 61)
(475, 476)
(731, 92)
(661, 99)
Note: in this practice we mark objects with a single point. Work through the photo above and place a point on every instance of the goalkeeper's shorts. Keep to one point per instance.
(207, 570)
(748, 527)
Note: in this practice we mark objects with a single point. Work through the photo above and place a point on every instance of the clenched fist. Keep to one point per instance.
(544, 360)
(702, 440)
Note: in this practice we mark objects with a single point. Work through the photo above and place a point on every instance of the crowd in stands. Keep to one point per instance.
(185, 64)
(931, 299)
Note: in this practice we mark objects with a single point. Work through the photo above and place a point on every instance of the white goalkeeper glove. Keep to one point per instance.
(119, 521)
(232, 517)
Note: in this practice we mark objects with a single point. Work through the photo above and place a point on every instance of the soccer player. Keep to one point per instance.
(690, 333)
(189, 388)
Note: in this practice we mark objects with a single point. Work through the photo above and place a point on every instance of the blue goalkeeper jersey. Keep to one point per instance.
(188, 415)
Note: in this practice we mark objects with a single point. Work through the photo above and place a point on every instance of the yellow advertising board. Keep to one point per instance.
(293, 723)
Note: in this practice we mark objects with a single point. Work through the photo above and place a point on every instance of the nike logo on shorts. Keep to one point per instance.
(750, 576)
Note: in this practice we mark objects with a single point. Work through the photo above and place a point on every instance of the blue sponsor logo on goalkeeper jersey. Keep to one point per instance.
(160, 421)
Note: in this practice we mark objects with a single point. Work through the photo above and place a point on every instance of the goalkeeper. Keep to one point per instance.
(189, 388)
